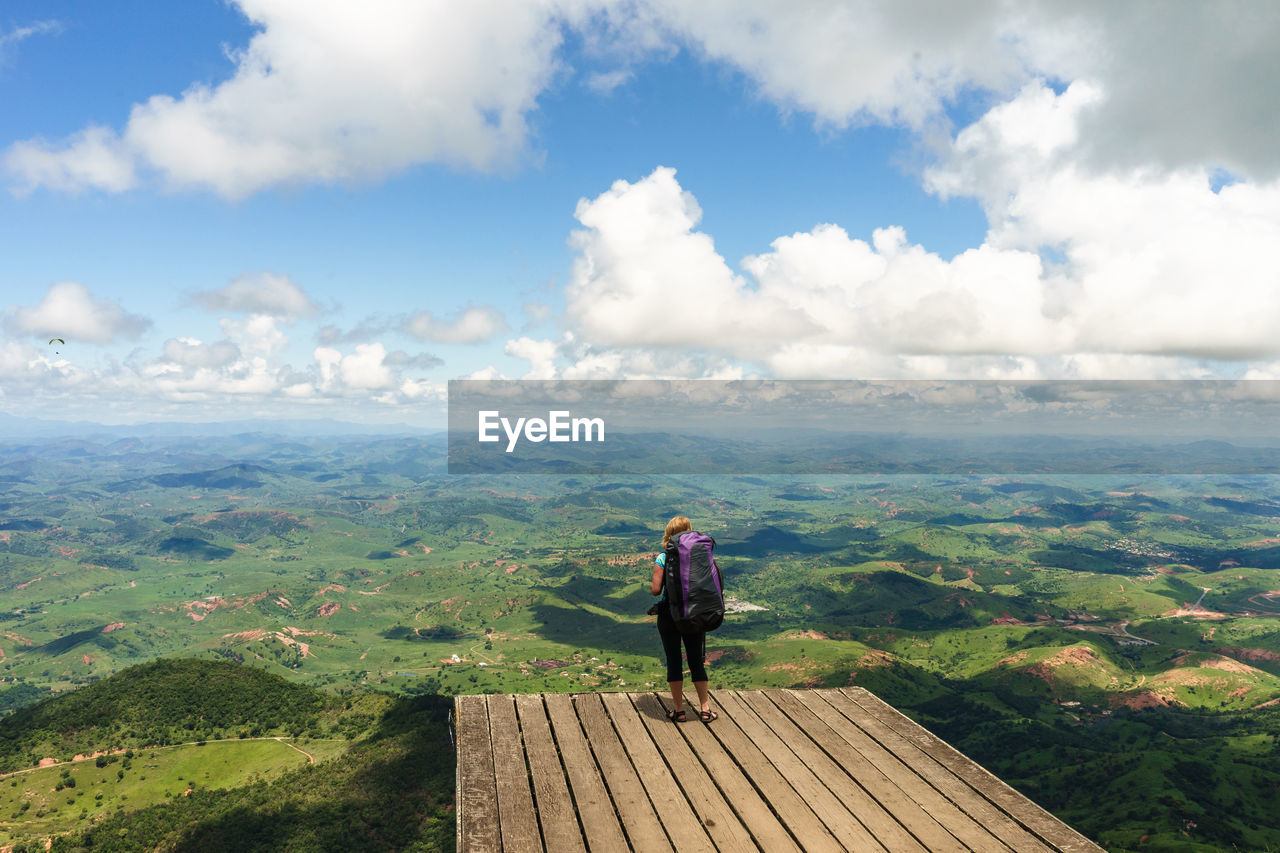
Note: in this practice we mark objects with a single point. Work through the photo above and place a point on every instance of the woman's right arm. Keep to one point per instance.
(655, 585)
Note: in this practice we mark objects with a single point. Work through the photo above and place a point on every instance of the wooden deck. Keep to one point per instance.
(780, 770)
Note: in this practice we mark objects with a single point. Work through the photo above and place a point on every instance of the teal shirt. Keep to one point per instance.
(661, 560)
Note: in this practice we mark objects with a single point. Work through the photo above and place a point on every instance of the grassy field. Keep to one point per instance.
(53, 800)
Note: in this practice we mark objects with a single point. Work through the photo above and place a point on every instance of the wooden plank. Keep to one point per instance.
(813, 744)
(793, 793)
(937, 777)
(644, 830)
(937, 823)
(556, 814)
(477, 793)
(724, 827)
(1020, 808)
(517, 822)
(755, 814)
(792, 753)
(599, 820)
(683, 827)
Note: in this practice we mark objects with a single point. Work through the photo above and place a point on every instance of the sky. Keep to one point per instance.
(322, 209)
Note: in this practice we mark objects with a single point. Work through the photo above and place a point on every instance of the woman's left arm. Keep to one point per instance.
(655, 585)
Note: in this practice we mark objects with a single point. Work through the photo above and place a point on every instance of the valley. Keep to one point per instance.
(1108, 644)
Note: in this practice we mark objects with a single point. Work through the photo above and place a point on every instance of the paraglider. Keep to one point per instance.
(53, 341)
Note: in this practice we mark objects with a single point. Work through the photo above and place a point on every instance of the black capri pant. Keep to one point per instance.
(695, 646)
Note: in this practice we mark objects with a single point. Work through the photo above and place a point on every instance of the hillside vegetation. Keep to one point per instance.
(156, 704)
(389, 787)
(1108, 644)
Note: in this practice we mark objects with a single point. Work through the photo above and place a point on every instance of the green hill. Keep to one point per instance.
(382, 778)
(162, 702)
(390, 791)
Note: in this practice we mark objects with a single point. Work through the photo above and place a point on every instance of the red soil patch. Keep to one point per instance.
(1073, 655)
(336, 587)
(329, 609)
(29, 583)
(511, 568)
(247, 636)
(88, 660)
(874, 658)
(1227, 664)
(1197, 613)
(1251, 654)
(1078, 655)
(1140, 701)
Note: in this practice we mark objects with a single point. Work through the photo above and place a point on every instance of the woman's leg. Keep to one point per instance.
(695, 647)
(671, 648)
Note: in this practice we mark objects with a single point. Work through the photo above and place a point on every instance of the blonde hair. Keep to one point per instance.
(678, 524)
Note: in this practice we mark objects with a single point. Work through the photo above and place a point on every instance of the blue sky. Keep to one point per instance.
(278, 208)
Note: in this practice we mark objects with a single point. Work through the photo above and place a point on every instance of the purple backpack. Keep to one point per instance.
(695, 590)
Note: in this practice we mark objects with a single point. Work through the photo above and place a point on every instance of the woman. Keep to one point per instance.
(694, 644)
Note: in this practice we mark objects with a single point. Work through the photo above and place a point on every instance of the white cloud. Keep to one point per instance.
(1153, 264)
(472, 325)
(541, 356)
(192, 352)
(537, 313)
(421, 361)
(364, 368)
(19, 34)
(69, 311)
(605, 82)
(332, 91)
(643, 275)
(1185, 83)
(256, 333)
(486, 372)
(266, 293)
(1154, 261)
(856, 62)
(88, 159)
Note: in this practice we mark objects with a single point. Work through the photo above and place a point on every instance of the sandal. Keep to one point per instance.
(708, 716)
(676, 716)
